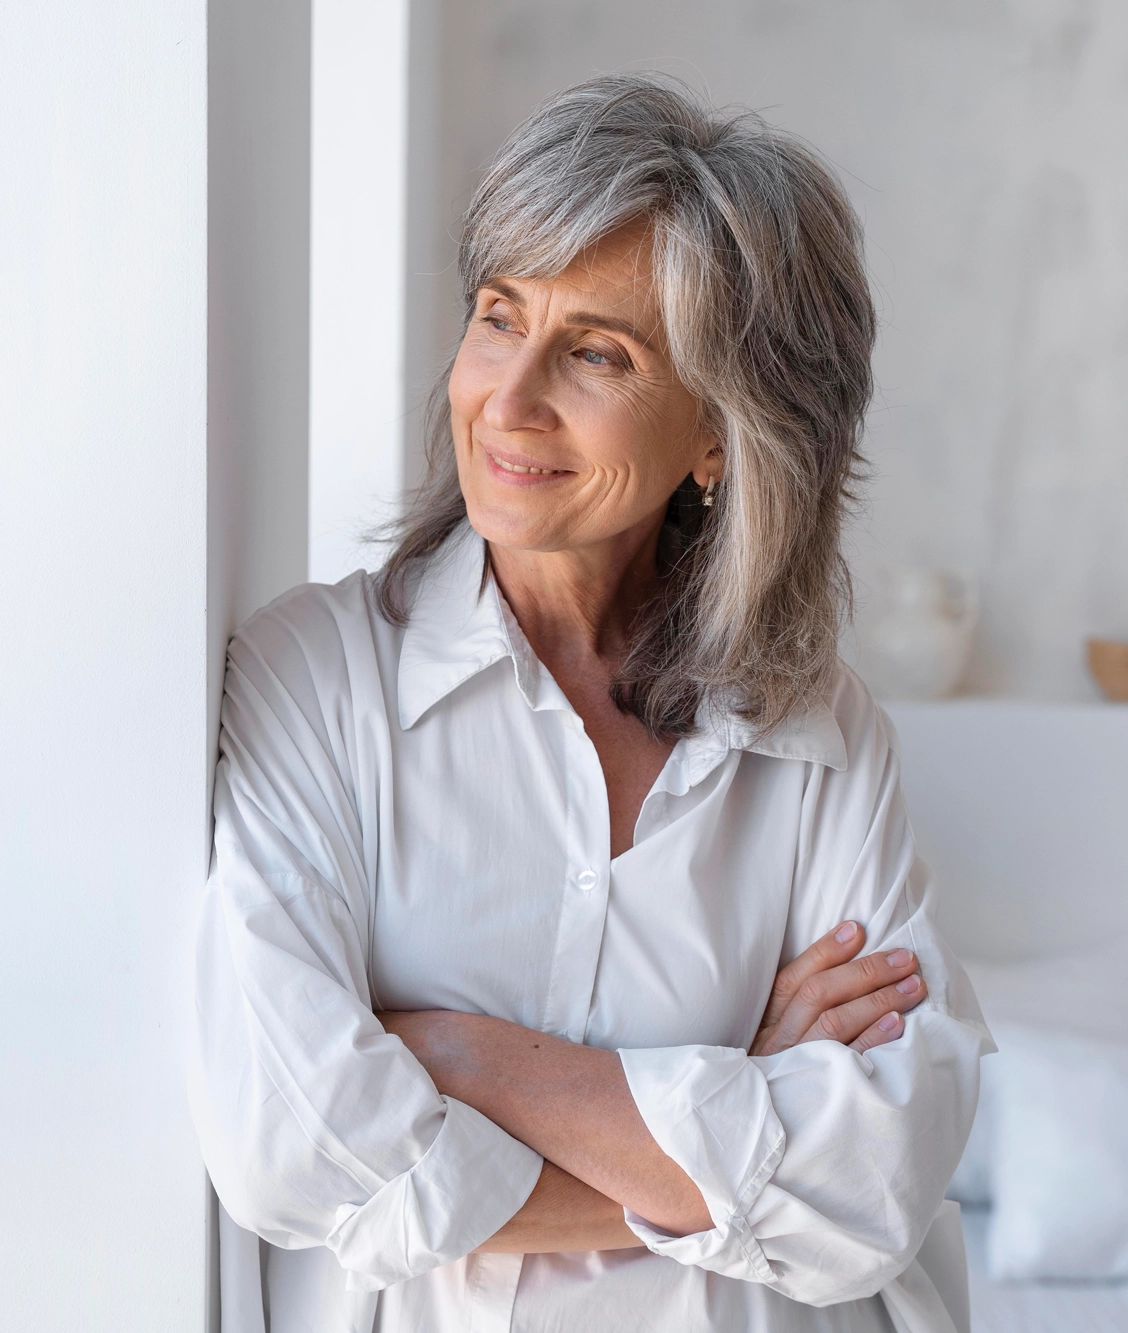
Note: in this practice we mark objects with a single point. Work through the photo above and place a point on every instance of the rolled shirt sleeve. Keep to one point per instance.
(317, 1126)
(822, 1168)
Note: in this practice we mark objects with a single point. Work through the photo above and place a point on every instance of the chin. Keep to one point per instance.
(511, 525)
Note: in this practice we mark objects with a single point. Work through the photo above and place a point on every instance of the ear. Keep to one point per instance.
(710, 466)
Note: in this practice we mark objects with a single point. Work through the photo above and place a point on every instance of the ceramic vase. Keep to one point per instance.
(919, 646)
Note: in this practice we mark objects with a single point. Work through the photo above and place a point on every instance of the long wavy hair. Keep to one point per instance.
(761, 281)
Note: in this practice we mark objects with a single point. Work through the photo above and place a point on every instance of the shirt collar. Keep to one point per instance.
(457, 628)
(812, 735)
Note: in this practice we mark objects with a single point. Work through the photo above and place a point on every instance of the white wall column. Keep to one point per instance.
(103, 668)
(258, 311)
(153, 492)
(359, 166)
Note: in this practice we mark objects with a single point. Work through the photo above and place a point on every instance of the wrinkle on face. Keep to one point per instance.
(573, 372)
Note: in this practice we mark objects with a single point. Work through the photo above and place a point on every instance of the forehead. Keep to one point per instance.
(623, 259)
(614, 273)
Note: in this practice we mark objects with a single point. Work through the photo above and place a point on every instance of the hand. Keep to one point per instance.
(828, 993)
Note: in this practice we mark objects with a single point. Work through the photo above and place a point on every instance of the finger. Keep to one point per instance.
(837, 946)
(847, 1022)
(825, 991)
(886, 1029)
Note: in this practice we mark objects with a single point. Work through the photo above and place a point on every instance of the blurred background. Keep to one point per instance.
(227, 280)
(984, 144)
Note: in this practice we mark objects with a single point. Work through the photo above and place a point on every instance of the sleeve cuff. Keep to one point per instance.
(709, 1109)
(466, 1186)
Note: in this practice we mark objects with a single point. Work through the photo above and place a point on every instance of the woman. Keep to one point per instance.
(512, 838)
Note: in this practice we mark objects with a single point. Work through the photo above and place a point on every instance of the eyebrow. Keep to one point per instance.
(577, 318)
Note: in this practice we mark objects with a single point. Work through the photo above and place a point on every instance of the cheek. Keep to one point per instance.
(612, 428)
(465, 390)
(642, 438)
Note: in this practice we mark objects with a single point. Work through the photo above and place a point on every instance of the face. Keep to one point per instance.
(570, 426)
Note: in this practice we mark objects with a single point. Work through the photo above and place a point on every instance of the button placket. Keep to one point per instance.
(583, 908)
(493, 1280)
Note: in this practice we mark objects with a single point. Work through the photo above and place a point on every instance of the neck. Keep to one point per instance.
(580, 602)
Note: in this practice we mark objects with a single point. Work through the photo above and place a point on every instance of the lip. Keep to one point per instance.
(520, 460)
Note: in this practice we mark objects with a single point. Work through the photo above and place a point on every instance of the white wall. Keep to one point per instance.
(357, 278)
(259, 302)
(984, 143)
(427, 245)
(1019, 810)
(103, 812)
(153, 428)
(258, 342)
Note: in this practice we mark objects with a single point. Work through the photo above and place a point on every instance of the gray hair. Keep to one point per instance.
(761, 282)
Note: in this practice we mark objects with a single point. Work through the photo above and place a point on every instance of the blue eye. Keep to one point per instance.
(594, 358)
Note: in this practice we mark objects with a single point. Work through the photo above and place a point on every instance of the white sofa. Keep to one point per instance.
(1022, 810)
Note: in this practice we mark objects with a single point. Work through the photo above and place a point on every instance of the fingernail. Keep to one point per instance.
(898, 958)
(846, 932)
(909, 985)
(889, 1022)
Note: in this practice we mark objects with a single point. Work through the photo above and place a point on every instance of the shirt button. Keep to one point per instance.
(587, 880)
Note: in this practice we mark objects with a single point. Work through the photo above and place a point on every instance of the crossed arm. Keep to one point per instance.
(571, 1103)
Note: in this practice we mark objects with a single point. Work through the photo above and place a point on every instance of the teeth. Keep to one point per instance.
(531, 471)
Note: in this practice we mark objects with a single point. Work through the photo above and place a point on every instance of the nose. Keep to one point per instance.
(520, 400)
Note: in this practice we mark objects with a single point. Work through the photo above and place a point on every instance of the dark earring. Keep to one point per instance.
(707, 498)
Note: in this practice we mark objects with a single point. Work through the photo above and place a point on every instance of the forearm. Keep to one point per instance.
(570, 1103)
(562, 1214)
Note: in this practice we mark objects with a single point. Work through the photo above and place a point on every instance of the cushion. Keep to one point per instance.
(1084, 995)
(1060, 1156)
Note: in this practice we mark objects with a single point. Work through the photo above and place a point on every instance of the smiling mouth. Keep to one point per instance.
(525, 471)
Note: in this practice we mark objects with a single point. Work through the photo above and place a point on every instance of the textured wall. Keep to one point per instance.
(984, 143)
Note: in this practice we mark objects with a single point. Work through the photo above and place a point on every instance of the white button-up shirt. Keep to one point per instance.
(415, 818)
